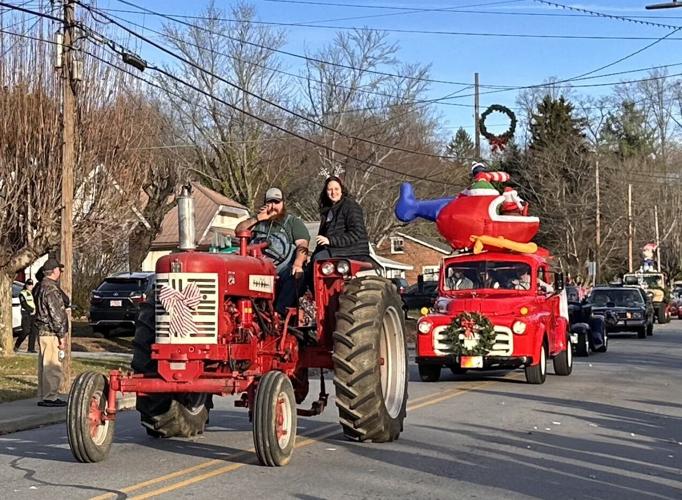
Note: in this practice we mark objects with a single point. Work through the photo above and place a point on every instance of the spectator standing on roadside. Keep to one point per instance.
(51, 323)
(28, 309)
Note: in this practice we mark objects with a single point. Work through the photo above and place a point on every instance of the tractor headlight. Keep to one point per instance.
(343, 267)
(424, 326)
(519, 327)
(327, 268)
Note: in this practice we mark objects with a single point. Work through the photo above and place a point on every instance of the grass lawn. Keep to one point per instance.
(19, 374)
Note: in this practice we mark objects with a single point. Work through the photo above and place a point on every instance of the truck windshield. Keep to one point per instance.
(620, 297)
(487, 274)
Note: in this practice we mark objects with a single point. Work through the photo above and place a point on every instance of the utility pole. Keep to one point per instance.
(597, 222)
(477, 117)
(630, 228)
(69, 76)
(658, 240)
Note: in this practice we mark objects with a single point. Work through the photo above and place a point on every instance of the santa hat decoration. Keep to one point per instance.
(478, 167)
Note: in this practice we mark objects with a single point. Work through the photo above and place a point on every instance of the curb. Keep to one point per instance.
(24, 420)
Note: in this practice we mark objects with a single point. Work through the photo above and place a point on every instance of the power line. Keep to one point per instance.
(608, 16)
(29, 11)
(261, 98)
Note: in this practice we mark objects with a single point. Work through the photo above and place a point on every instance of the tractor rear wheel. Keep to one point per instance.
(88, 432)
(164, 415)
(274, 419)
(370, 360)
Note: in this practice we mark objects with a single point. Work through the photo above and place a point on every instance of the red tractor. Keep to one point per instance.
(211, 329)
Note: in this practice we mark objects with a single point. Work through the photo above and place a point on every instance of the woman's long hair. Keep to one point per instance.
(325, 203)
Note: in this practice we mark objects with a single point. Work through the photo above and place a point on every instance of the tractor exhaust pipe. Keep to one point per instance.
(186, 219)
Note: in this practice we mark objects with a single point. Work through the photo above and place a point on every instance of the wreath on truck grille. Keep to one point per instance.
(498, 142)
(470, 334)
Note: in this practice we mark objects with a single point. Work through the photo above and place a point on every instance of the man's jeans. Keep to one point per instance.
(288, 291)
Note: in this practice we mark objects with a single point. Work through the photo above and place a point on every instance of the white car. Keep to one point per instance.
(17, 287)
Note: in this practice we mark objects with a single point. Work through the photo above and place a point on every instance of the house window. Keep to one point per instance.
(430, 273)
(397, 245)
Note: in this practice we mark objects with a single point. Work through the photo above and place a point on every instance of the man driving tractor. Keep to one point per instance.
(288, 238)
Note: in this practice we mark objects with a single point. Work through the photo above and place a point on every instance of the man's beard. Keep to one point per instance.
(280, 216)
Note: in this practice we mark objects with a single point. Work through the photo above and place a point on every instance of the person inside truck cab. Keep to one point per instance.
(457, 281)
(522, 281)
(543, 286)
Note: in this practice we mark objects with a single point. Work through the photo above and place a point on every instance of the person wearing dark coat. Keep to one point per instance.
(342, 226)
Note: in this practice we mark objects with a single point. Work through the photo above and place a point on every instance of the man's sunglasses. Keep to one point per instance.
(274, 202)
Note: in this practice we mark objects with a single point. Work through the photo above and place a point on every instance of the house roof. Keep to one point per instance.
(431, 243)
(207, 204)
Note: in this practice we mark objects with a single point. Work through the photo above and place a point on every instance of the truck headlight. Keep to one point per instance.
(519, 327)
(424, 326)
(327, 268)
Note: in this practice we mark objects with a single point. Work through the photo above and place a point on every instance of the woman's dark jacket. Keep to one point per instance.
(344, 225)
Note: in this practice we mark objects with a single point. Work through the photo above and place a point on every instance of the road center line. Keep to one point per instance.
(418, 403)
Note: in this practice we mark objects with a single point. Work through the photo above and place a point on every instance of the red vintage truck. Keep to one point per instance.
(496, 310)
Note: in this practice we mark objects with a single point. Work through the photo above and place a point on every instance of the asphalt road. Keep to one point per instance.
(611, 430)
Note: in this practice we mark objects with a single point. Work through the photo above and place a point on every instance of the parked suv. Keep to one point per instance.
(116, 301)
(401, 284)
(17, 287)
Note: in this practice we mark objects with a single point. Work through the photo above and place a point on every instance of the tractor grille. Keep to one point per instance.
(504, 342)
(204, 316)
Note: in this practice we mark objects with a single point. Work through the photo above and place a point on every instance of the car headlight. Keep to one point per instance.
(327, 268)
(424, 326)
(637, 315)
(343, 267)
(519, 327)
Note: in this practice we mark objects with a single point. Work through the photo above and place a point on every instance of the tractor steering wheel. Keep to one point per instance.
(279, 250)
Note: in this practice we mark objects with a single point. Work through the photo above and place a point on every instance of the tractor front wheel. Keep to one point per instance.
(88, 431)
(164, 415)
(370, 360)
(274, 419)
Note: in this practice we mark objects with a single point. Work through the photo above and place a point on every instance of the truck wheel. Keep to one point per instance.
(274, 419)
(429, 373)
(164, 415)
(370, 360)
(536, 374)
(89, 435)
(563, 362)
(641, 331)
(582, 348)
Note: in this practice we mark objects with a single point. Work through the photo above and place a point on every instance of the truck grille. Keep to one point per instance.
(204, 316)
(504, 342)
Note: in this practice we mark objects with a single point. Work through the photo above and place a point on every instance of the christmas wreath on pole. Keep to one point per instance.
(471, 334)
(497, 142)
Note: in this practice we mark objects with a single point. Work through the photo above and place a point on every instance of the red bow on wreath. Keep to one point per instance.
(497, 144)
(468, 325)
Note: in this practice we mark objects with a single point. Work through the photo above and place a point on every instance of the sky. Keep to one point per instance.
(456, 57)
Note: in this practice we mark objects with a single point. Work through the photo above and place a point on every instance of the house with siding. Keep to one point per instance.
(424, 255)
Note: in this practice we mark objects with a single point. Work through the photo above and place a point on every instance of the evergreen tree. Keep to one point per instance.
(553, 124)
(461, 147)
(626, 132)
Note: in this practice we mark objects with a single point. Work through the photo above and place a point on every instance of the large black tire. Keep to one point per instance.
(88, 434)
(164, 415)
(661, 314)
(536, 374)
(429, 373)
(605, 346)
(582, 348)
(563, 362)
(274, 419)
(370, 360)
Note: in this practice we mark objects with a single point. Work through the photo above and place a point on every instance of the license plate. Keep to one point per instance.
(471, 361)
(116, 303)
